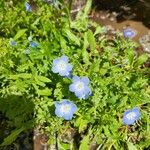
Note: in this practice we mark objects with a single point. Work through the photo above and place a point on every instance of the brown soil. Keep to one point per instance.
(120, 14)
(101, 18)
(137, 10)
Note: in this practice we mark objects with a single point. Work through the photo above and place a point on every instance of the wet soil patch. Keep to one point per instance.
(135, 10)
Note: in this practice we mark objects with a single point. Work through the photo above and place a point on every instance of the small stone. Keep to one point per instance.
(112, 19)
(146, 47)
(103, 17)
(108, 15)
(115, 14)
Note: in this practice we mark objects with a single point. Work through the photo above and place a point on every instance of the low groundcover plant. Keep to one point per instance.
(63, 77)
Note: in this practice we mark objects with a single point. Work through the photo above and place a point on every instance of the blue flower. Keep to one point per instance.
(12, 42)
(129, 33)
(27, 51)
(28, 7)
(33, 44)
(60, 65)
(80, 87)
(29, 38)
(69, 75)
(130, 116)
(65, 109)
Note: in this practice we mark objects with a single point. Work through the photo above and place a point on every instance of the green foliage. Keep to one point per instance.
(29, 89)
(12, 137)
(84, 143)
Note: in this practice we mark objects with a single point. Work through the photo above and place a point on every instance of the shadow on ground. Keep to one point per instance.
(136, 10)
(16, 120)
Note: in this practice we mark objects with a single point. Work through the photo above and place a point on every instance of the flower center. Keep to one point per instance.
(131, 115)
(79, 86)
(62, 65)
(65, 108)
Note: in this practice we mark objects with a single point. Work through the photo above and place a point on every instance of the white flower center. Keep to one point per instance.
(79, 86)
(65, 108)
(131, 115)
(62, 65)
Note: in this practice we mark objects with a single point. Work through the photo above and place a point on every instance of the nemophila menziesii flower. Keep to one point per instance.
(61, 66)
(65, 109)
(27, 51)
(29, 38)
(33, 44)
(80, 87)
(131, 116)
(12, 42)
(129, 33)
(28, 7)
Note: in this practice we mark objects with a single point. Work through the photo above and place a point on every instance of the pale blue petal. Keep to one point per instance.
(29, 38)
(28, 7)
(27, 51)
(85, 80)
(84, 94)
(63, 73)
(33, 44)
(72, 87)
(74, 108)
(128, 122)
(58, 112)
(126, 112)
(80, 93)
(137, 112)
(129, 33)
(69, 75)
(68, 116)
(56, 61)
(13, 43)
(57, 109)
(57, 104)
(69, 67)
(55, 69)
(76, 79)
(65, 101)
(64, 58)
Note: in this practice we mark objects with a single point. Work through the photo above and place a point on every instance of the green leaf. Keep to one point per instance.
(83, 125)
(20, 33)
(72, 37)
(85, 54)
(130, 56)
(85, 143)
(87, 7)
(43, 79)
(102, 71)
(98, 30)
(141, 59)
(38, 82)
(95, 67)
(12, 137)
(63, 146)
(22, 75)
(131, 146)
(44, 92)
(106, 129)
(92, 42)
(63, 43)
